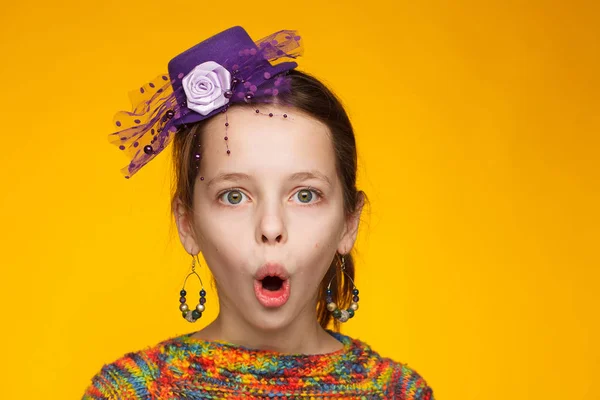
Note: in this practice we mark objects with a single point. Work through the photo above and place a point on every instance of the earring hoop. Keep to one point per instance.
(192, 315)
(342, 315)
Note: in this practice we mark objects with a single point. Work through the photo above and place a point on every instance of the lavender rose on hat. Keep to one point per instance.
(207, 87)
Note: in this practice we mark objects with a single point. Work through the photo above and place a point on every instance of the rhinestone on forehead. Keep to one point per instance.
(198, 154)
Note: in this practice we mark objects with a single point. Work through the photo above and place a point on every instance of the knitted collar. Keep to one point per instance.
(219, 358)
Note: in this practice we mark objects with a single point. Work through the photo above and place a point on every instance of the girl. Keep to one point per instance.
(265, 162)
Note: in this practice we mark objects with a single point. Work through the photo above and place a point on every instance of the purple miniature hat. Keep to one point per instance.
(204, 80)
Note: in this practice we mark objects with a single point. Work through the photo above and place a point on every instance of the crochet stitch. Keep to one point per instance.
(190, 368)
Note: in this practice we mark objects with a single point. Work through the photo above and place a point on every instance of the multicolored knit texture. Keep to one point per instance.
(189, 368)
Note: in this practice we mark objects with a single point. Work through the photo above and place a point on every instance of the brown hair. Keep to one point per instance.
(312, 97)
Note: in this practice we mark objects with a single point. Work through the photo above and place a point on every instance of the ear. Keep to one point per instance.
(351, 227)
(185, 227)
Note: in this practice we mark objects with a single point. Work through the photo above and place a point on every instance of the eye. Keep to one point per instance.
(232, 197)
(306, 195)
(235, 196)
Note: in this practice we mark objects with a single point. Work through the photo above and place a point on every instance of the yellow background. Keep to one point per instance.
(477, 124)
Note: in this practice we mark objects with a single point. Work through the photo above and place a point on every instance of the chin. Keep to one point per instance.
(272, 320)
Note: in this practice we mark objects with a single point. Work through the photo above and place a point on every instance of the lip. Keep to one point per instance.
(272, 298)
(272, 269)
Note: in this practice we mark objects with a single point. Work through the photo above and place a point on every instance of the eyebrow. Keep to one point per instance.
(298, 176)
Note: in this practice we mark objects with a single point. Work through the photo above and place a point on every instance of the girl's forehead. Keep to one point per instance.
(259, 142)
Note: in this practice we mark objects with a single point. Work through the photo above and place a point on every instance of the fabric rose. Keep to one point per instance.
(205, 87)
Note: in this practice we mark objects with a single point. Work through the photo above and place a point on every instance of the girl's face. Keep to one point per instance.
(276, 199)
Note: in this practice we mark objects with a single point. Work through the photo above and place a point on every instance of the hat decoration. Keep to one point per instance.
(223, 70)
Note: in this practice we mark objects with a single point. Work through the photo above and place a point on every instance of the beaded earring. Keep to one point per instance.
(342, 315)
(192, 315)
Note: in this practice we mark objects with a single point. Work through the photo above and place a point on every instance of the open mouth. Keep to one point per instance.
(272, 286)
(272, 283)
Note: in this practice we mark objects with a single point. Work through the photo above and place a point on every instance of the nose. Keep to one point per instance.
(271, 229)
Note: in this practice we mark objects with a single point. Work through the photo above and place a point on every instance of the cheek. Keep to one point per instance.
(219, 229)
(221, 246)
(317, 239)
(318, 225)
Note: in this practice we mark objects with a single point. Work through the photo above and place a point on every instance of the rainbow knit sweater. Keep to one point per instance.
(188, 368)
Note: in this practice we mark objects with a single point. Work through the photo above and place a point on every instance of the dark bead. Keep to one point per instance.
(257, 111)
(183, 292)
(202, 293)
(148, 149)
(328, 300)
(202, 300)
(182, 299)
(284, 115)
(329, 291)
(270, 114)
(337, 313)
(228, 152)
(184, 314)
(355, 299)
(350, 312)
(196, 314)
(235, 81)
(170, 114)
(226, 123)
(226, 138)
(355, 292)
(228, 94)
(236, 71)
(197, 156)
(249, 95)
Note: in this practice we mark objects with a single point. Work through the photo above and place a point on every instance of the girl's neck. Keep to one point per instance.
(303, 336)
